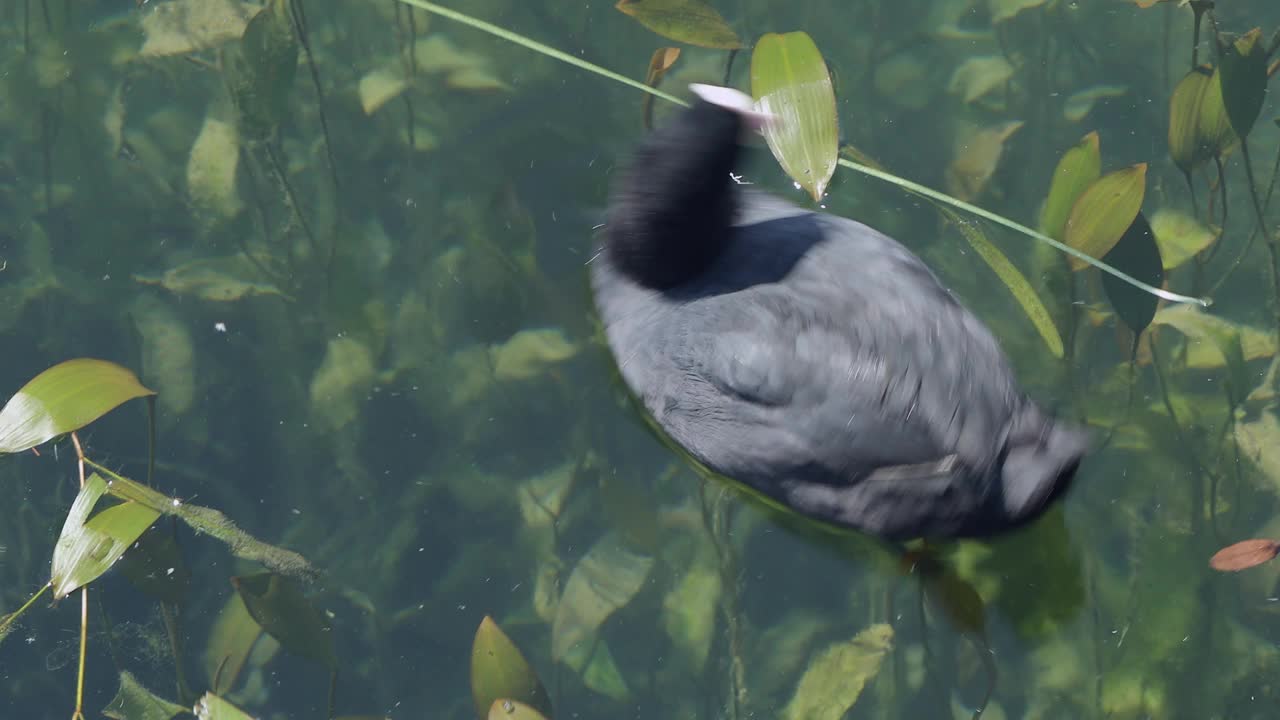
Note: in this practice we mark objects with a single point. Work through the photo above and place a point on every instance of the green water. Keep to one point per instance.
(354, 270)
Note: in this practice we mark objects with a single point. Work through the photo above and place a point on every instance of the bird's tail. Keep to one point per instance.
(1041, 459)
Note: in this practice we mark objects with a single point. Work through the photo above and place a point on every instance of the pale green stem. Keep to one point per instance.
(872, 172)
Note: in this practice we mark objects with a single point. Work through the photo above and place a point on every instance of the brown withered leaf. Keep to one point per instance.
(1244, 555)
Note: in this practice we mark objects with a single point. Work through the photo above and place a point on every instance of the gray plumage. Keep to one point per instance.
(813, 359)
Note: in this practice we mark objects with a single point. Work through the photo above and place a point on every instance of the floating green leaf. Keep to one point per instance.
(1242, 77)
(1199, 128)
(1015, 281)
(789, 79)
(687, 21)
(212, 707)
(506, 709)
(1137, 255)
(261, 69)
(135, 702)
(85, 550)
(1104, 211)
(499, 671)
(604, 580)
(1079, 167)
(63, 399)
(835, 679)
(1180, 236)
(284, 613)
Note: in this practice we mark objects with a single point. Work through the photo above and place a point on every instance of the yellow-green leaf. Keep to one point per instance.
(687, 21)
(1242, 76)
(1104, 211)
(1015, 281)
(834, 680)
(135, 702)
(284, 613)
(212, 707)
(1180, 236)
(507, 709)
(63, 399)
(1201, 329)
(1079, 167)
(85, 550)
(499, 671)
(789, 79)
(1199, 128)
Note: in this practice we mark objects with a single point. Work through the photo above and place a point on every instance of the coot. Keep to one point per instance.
(810, 358)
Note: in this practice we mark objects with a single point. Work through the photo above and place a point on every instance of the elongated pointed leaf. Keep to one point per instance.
(1137, 255)
(1199, 128)
(1079, 167)
(280, 609)
(231, 640)
(212, 707)
(63, 399)
(507, 709)
(789, 79)
(687, 21)
(499, 671)
(1104, 212)
(1244, 555)
(1015, 281)
(604, 580)
(1242, 75)
(85, 550)
(260, 71)
(135, 702)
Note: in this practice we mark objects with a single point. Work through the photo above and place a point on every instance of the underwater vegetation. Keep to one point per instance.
(382, 468)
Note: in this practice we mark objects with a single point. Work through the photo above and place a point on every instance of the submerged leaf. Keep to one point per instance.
(1104, 212)
(834, 680)
(380, 86)
(1242, 75)
(179, 27)
(1080, 167)
(219, 279)
(283, 612)
(63, 399)
(231, 641)
(212, 167)
(1002, 10)
(1244, 555)
(789, 79)
(978, 76)
(1137, 255)
(604, 580)
(499, 671)
(507, 709)
(687, 21)
(1081, 103)
(212, 707)
(977, 159)
(135, 702)
(88, 547)
(1201, 328)
(1180, 236)
(261, 70)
